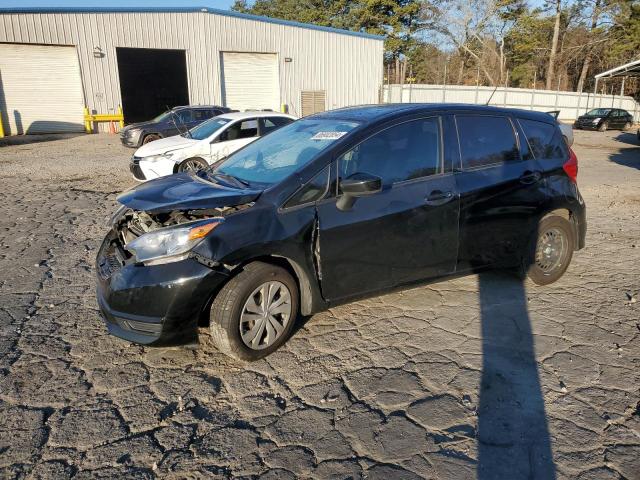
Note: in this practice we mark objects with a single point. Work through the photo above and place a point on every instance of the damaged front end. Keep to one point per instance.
(152, 288)
(156, 238)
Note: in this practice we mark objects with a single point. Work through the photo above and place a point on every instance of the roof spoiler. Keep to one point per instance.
(554, 113)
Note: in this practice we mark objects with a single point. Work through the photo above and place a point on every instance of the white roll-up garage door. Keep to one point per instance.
(250, 81)
(40, 89)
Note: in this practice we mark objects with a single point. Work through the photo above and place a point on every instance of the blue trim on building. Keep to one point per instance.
(215, 11)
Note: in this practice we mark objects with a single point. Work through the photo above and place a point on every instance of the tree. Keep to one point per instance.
(557, 6)
(398, 20)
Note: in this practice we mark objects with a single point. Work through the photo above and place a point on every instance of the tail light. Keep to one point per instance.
(571, 166)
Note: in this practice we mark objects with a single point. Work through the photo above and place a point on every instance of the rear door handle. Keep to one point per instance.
(529, 178)
(438, 197)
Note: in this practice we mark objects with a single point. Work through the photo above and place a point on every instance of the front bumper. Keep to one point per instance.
(129, 140)
(152, 305)
(136, 171)
(586, 125)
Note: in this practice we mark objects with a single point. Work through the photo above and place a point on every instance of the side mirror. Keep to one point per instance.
(357, 185)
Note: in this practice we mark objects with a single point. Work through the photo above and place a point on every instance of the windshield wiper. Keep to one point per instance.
(173, 119)
(228, 179)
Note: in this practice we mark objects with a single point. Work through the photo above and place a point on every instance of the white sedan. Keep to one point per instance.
(205, 144)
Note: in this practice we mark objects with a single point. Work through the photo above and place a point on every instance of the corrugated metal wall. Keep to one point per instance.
(349, 68)
(570, 104)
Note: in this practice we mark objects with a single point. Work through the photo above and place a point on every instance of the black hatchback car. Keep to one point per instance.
(336, 206)
(605, 119)
(172, 122)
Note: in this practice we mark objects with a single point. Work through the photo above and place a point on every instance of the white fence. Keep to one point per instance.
(570, 104)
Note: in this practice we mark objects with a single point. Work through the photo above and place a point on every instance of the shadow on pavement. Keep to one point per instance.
(629, 157)
(631, 138)
(513, 437)
(35, 138)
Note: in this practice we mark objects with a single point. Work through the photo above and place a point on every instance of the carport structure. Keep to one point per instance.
(631, 69)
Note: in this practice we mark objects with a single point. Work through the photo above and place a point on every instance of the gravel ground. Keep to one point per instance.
(478, 377)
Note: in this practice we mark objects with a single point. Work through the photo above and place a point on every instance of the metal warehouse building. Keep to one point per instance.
(56, 62)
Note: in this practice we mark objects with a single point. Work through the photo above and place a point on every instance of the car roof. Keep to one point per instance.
(182, 107)
(373, 113)
(253, 114)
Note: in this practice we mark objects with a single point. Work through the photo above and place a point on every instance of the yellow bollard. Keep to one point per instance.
(1, 127)
(121, 116)
(87, 120)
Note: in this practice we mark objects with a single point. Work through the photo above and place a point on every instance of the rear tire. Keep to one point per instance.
(627, 126)
(244, 311)
(603, 127)
(192, 165)
(152, 137)
(549, 257)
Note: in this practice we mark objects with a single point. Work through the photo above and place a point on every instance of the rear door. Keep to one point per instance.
(406, 232)
(500, 190)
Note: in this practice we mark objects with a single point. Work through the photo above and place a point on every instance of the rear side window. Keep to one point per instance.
(486, 140)
(545, 140)
(281, 121)
(271, 123)
(402, 152)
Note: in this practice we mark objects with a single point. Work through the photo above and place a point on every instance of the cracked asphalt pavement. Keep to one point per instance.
(476, 377)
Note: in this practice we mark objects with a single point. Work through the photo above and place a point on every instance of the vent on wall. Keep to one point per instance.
(313, 101)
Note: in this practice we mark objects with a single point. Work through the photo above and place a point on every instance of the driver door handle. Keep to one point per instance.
(438, 197)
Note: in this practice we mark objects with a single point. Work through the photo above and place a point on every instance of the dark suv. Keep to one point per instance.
(332, 207)
(172, 122)
(603, 119)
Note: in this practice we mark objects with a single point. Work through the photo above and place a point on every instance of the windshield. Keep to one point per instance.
(162, 116)
(277, 155)
(599, 112)
(208, 128)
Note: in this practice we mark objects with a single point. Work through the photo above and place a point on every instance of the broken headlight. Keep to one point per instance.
(169, 244)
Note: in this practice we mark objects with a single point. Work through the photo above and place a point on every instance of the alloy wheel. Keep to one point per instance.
(191, 166)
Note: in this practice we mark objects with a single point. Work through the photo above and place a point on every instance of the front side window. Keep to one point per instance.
(486, 140)
(312, 191)
(543, 139)
(599, 112)
(402, 152)
(274, 157)
(241, 129)
(183, 116)
(202, 114)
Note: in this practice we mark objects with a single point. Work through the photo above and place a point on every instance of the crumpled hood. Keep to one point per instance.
(184, 191)
(589, 117)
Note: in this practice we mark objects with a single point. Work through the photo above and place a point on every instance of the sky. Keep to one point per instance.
(221, 4)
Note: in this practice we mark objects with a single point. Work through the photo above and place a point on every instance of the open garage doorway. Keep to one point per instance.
(150, 81)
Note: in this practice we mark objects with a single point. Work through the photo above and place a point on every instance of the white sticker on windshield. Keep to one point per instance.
(328, 135)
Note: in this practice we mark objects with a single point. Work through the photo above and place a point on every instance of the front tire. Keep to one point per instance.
(603, 127)
(627, 126)
(152, 137)
(551, 254)
(254, 313)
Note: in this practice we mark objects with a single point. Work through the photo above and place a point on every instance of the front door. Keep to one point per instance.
(233, 138)
(406, 232)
